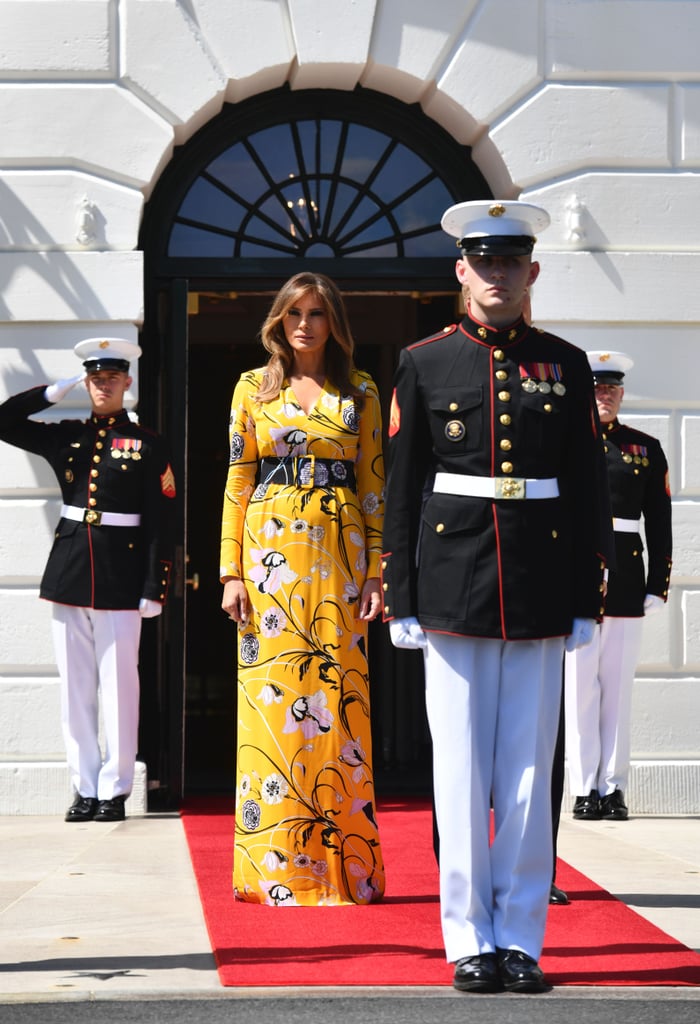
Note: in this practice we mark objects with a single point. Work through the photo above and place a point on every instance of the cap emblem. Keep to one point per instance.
(104, 344)
(497, 210)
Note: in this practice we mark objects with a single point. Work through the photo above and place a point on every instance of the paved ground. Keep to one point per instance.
(97, 917)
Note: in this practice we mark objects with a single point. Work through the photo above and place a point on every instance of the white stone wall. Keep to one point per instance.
(590, 107)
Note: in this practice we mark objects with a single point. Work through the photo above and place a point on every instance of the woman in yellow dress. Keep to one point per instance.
(300, 550)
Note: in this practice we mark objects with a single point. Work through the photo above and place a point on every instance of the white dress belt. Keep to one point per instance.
(95, 518)
(507, 487)
(626, 525)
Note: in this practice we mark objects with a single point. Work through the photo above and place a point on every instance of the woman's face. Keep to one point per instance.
(306, 325)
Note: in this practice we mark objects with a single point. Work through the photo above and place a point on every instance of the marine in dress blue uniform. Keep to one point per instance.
(599, 678)
(109, 566)
(496, 533)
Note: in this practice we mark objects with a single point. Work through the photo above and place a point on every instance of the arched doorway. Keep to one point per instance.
(354, 184)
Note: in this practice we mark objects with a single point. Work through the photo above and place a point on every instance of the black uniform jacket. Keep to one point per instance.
(516, 403)
(639, 487)
(105, 464)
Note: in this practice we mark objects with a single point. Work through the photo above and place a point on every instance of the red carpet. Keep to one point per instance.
(596, 940)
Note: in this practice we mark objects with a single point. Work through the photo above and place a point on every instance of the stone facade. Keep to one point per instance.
(589, 107)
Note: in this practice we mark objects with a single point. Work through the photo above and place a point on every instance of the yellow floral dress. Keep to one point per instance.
(306, 829)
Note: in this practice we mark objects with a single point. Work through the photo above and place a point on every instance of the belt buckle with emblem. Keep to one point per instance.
(511, 487)
(93, 517)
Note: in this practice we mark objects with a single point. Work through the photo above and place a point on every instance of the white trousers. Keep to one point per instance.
(493, 710)
(598, 682)
(97, 653)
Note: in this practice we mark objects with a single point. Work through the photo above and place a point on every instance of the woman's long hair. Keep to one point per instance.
(339, 347)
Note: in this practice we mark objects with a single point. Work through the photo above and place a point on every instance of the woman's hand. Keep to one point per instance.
(235, 601)
(370, 599)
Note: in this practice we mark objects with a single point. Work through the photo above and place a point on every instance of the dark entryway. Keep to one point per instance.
(222, 332)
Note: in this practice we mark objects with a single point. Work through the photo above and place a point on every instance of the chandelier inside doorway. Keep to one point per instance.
(313, 187)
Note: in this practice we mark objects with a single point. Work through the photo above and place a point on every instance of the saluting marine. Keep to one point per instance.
(599, 679)
(109, 566)
(496, 535)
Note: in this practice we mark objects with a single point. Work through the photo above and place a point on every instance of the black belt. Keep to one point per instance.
(307, 471)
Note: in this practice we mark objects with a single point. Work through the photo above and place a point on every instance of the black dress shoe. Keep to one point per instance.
(111, 810)
(83, 808)
(477, 973)
(557, 895)
(519, 972)
(612, 806)
(587, 808)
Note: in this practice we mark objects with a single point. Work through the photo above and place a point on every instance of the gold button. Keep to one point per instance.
(123, 466)
(499, 355)
(386, 609)
(601, 611)
(131, 545)
(102, 433)
(505, 444)
(163, 583)
(385, 586)
(162, 597)
(93, 487)
(555, 534)
(505, 419)
(440, 527)
(99, 445)
(635, 553)
(383, 565)
(94, 472)
(506, 467)
(92, 501)
(547, 407)
(501, 375)
(96, 458)
(601, 588)
(504, 396)
(453, 407)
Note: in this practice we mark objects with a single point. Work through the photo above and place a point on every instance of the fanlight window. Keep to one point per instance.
(316, 187)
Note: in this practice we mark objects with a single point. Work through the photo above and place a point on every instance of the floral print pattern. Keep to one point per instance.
(306, 830)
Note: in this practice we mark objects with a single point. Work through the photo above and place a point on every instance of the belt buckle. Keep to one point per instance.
(306, 468)
(511, 487)
(93, 517)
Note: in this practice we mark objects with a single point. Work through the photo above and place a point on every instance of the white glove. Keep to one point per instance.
(149, 609)
(407, 633)
(581, 634)
(55, 392)
(653, 603)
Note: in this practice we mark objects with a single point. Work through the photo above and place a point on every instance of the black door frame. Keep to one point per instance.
(164, 364)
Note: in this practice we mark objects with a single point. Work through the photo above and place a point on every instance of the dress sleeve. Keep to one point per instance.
(241, 478)
(369, 472)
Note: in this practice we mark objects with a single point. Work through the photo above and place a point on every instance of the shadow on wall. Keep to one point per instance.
(19, 227)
